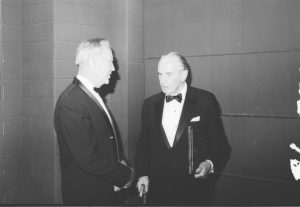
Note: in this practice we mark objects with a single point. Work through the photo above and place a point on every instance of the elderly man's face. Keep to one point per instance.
(103, 67)
(171, 76)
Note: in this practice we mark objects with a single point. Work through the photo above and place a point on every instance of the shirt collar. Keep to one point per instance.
(183, 92)
(85, 82)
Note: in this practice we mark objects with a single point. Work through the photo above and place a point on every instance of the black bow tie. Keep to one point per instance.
(177, 97)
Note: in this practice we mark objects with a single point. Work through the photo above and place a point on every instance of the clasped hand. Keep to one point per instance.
(203, 170)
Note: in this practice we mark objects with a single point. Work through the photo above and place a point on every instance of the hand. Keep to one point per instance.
(116, 188)
(144, 180)
(124, 162)
(203, 170)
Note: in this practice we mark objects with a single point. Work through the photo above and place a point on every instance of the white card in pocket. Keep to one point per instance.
(195, 119)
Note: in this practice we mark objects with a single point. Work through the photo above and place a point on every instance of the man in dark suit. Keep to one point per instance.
(162, 150)
(93, 166)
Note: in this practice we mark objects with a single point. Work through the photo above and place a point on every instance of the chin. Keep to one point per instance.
(164, 90)
(168, 92)
(105, 81)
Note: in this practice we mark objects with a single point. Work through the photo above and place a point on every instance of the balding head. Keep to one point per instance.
(173, 58)
(172, 73)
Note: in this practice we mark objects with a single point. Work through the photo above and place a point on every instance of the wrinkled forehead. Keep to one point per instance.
(170, 64)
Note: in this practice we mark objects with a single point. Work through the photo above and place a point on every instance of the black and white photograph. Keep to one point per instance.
(150, 103)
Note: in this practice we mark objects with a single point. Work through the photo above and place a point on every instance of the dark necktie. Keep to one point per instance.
(177, 98)
(96, 89)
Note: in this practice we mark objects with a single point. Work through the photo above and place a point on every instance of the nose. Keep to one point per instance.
(162, 79)
(112, 67)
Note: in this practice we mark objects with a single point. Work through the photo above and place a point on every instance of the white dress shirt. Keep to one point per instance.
(171, 116)
(90, 87)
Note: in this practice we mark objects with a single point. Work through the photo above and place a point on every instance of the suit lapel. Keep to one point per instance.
(108, 122)
(159, 110)
(186, 114)
(159, 105)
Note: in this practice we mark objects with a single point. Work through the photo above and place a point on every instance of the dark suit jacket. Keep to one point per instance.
(167, 167)
(88, 149)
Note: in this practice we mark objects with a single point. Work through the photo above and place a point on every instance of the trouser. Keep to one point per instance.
(184, 191)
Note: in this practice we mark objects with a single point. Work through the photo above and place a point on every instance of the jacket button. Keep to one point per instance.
(111, 137)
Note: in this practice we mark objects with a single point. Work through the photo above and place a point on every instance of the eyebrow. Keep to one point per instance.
(168, 73)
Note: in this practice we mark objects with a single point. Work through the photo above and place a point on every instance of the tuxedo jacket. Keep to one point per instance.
(167, 165)
(89, 150)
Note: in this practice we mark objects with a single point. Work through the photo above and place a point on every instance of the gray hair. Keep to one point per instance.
(89, 47)
(175, 56)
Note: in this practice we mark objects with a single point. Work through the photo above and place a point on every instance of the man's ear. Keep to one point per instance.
(184, 75)
(93, 61)
(90, 60)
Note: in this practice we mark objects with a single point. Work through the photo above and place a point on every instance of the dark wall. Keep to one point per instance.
(247, 53)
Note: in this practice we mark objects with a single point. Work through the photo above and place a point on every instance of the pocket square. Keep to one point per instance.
(197, 118)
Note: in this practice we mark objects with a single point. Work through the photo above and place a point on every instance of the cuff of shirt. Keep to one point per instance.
(212, 170)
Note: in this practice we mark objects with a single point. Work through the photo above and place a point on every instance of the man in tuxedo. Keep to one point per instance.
(162, 150)
(93, 165)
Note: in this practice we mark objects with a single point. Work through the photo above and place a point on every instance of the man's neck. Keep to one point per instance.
(179, 90)
(85, 81)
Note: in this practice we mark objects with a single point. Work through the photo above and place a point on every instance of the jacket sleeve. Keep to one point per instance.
(219, 149)
(142, 148)
(76, 132)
